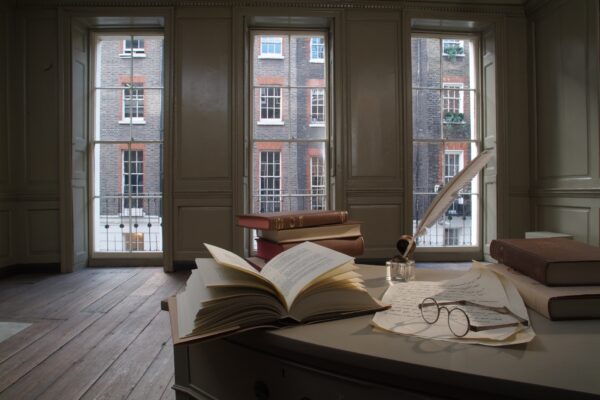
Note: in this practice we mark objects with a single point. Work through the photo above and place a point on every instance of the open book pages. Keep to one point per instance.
(479, 285)
(305, 283)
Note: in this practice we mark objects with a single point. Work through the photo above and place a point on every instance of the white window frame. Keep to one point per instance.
(452, 42)
(317, 45)
(317, 107)
(449, 91)
(271, 41)
(457, 167)
(270, 194)
(264, 94)
(135, 167)
(317, 183)
(432, 243)
(136, 52)
(137, 100)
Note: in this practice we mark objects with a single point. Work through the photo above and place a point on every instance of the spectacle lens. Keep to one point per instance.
(458, 321)
(430, 310)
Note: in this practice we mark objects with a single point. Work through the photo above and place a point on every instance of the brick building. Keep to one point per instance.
(444, 132)
(128, 143)
(289, 133)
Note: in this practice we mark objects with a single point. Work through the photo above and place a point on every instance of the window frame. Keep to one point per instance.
(475, 142)
(273, 178)
(100, 253)
(316, 197)
(320, 48)
(319, 106)
(133, 97)
(276, 99)
(271, 55)
(135, 52)
(455, 87)
(255, 133)
(452, 42)
(131, 168)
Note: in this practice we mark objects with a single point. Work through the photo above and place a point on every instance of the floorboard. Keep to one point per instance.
(95, 334)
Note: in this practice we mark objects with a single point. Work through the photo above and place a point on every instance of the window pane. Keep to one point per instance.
(427, 115)
(127, 186)
(426, 59)
(445, 134)
(289, 133)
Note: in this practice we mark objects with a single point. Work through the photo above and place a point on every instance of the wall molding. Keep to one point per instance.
(559, 192)
(488, 7)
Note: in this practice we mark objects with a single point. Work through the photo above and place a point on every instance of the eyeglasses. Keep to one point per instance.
(458, 320)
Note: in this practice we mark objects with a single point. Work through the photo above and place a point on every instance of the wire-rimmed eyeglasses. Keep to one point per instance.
(458, 320)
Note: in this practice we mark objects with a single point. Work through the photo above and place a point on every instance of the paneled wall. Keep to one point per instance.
(373, 152)
(203, 179)
(7, 205)
(205, 176)
(566, 172)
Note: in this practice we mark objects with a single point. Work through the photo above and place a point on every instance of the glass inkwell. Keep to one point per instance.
(401, 268)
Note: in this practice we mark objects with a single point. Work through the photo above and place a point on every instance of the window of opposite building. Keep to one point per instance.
(270, 181)
(317, 49)
(133, 103)
(317, 107)
(270, 105)
(445, 123)
(133, 47)
(127, 142)
(289, 134)
(271, 47)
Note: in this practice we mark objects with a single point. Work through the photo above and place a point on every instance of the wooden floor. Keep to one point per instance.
(95, 334)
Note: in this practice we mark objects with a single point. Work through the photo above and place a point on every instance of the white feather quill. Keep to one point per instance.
(443, 200)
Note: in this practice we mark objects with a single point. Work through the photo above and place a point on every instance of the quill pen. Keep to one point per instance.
(443, 200)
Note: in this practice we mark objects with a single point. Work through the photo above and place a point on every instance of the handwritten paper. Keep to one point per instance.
(479, 285)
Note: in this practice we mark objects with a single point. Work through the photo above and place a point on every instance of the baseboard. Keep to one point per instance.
(183, 265)
(38, 268)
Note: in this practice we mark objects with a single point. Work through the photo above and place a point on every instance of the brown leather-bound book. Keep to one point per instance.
(354, 247)
(551, 261)
(291, 220)
(554, 302)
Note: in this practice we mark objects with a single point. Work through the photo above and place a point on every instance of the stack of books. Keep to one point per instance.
(557, 277)
(277, 232)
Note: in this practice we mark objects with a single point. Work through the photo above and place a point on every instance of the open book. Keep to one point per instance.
(306, 283)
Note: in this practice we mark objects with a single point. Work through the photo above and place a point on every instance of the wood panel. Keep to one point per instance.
(566, 93)
(577, 216)
(381, 227)
(5, 236)
(78, 223)
(196, 224)
(40, 115)
(203, 105)
(374, 152)
(4, 97)
(42, 232)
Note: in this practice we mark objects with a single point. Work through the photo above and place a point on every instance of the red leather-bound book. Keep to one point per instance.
(291, 220)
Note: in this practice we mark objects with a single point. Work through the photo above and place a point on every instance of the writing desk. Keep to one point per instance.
(346, 359)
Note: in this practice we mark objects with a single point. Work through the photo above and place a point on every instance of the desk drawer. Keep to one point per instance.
(223, 370)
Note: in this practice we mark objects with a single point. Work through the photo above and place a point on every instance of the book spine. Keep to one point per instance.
(266, 249)
(520, 260)
(303, 221)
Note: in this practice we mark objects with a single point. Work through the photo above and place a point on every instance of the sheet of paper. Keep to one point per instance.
(479, 285)
(295, 268)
